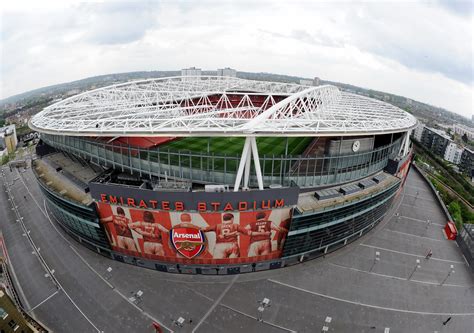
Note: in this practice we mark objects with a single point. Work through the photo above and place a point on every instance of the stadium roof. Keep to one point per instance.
(206, 106)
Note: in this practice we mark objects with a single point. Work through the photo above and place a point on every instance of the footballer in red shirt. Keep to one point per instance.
(260, 233)
(151, 232)
(121, 224)
(227, 242)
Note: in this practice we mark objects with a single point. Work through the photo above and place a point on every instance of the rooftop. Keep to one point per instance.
(308, 203)
(219, 106)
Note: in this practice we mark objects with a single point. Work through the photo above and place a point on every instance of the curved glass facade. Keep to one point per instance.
(311, 234)
(79, 220)
(306, 172)
(318, 230)
(301, 229)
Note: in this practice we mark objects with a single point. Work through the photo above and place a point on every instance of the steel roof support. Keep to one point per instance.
(243, 161)
(250, 150)
(206, 106)
(247, 170)
(256, 161)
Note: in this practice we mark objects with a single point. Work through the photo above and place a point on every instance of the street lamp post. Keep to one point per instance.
(179, 322)
(108, 273)
(263, 304)
(137, 297)
(376, 258)
(451, 271)
(417, 265)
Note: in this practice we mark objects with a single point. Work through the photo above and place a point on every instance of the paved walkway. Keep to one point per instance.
(345, 291)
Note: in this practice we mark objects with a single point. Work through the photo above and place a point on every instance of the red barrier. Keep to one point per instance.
(450, 230)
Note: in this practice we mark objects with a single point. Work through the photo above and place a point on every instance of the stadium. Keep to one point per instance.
(219, 175)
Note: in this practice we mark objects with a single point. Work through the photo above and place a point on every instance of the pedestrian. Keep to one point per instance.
(446, 321)
(429, 254)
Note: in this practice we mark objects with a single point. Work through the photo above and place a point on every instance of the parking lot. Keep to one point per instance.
(382, 282)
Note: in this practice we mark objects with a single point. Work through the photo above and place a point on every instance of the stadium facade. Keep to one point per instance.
(219, 175)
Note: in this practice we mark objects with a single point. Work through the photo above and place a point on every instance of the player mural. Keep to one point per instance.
(196, 238)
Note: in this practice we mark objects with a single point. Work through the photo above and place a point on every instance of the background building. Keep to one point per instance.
(453, 153)
(14, 319)
(8, 140)
(439, 143)
(466, 164)
(461, 130)
(191, 71)
(227, 72)
(306, 82)
(248, 177)
(435, 140)
(418, 132)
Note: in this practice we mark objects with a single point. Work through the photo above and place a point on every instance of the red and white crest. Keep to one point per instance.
(189, 242)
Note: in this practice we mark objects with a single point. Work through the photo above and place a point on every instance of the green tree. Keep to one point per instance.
(455, 211)
(4, 160)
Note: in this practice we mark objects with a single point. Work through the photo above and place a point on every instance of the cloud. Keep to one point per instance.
(459, 7)
(422, 38)
(419, 50)
(117, 23)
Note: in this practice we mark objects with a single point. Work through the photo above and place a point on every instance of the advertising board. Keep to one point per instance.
(226, 237)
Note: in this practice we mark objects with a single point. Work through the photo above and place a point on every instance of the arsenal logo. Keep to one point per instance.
(189, 242)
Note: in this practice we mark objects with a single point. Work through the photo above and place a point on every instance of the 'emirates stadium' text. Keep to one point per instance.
(200, 207)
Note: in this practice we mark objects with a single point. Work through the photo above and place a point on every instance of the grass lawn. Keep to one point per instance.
(232, 146)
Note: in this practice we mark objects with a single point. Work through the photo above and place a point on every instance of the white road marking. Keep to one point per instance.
(422, 198)
(250, 316)
(16, 284)
(411, 254)
(387, 218)
(77, 307)
(43, 301)
(91, 268)
(417, 188)
(55, 279)
(100, 276)
(240, 312)
(405, 233)
(216, 303)
(142, 311)
(370, 305)
(418, 220)
(31, 195)
(421, 182)
(397, 277)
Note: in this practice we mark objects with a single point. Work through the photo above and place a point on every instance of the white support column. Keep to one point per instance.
(402, 146)
(407, 143)
(243, 162)
(256, 162)
(247, 170)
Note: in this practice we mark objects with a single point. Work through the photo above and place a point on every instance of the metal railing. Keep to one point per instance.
(205, 168)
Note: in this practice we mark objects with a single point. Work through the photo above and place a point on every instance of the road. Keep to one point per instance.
(346, 291)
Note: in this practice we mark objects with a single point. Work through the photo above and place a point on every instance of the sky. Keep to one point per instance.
(420, 50)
